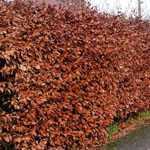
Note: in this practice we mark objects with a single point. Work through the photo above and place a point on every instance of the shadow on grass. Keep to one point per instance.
(6, 146)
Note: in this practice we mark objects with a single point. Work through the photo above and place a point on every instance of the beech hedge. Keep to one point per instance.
(66, 76)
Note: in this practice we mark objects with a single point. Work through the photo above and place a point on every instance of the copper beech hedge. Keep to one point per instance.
(66, 76)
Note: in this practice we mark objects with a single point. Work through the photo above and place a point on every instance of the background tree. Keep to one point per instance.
(139, 8)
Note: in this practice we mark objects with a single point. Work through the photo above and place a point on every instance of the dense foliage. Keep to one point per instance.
(64, 76)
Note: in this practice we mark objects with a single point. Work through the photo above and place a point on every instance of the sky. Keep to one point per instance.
(129, 7)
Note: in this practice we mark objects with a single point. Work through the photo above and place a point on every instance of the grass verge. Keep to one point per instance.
(120, 129)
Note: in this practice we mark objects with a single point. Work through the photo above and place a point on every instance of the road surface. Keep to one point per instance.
(138, 140)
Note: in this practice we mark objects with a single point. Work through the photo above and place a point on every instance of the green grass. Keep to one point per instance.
(140, 117)
(144, 115)
(112, 129)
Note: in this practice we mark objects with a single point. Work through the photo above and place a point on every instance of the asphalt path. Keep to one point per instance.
(137, 140)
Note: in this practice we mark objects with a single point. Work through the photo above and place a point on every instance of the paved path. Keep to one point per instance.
(138, 140)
